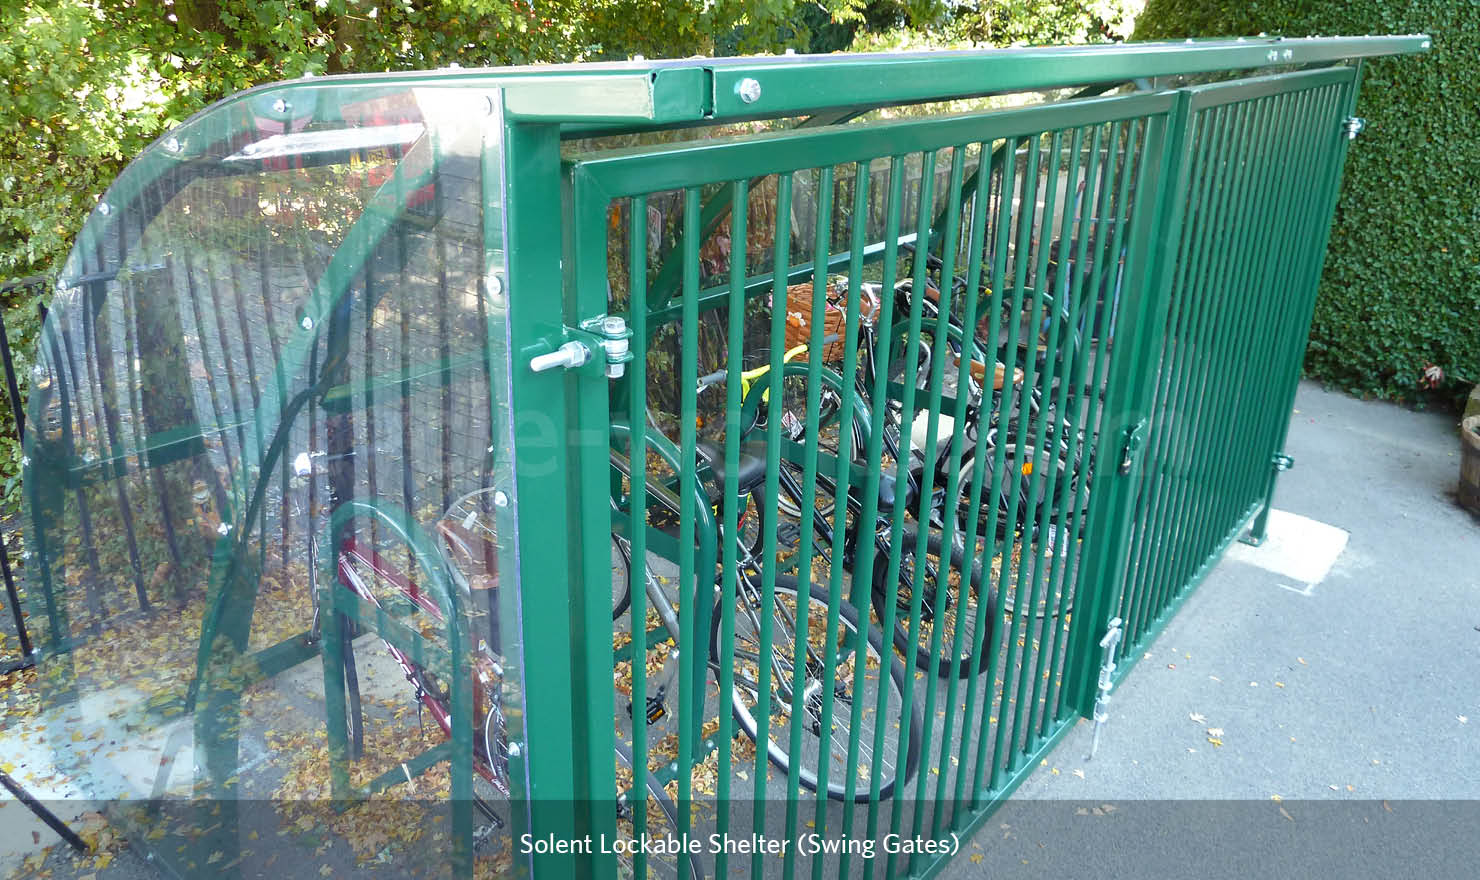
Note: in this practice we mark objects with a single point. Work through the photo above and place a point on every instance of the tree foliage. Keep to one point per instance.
(1401, 289)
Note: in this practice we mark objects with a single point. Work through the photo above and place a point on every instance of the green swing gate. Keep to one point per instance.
(764, 455)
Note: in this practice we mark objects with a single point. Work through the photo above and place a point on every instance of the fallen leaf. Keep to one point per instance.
(1215, 740)
(1079, 773)
(1276, 798)
(976, 858)
(1198, 717)
(1463, 719)
(1279, 684)
(1215, 731)
(1302, 661)
(1286, 814)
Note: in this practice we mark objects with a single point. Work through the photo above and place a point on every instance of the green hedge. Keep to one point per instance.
(1401, 288)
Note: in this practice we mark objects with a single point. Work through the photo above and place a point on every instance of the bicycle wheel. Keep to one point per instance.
(661, 822)
(948, 608)
(379, 568)
(855, 652)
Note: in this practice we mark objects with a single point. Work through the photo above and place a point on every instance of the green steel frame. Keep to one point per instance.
(1197, 218)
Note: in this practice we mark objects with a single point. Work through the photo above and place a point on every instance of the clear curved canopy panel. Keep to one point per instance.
(265, 472)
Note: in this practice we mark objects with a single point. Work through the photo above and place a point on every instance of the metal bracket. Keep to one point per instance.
(1107, 680)
(1282, 462)
(1130, 447)
(1353, 126)
(607, 335)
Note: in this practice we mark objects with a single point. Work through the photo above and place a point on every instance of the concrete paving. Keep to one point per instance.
(1336, 667)
(1363, 687)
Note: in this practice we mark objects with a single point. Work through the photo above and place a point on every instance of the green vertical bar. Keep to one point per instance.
(1250, 252)
(1005, 190)
(1335, 150)
(1050, 369)
(976, 235)
(924, 204)
(1218, 393)
(1166, 430)
(821, 247)
(1202, 264)
(1150, 253)
(735, 351)
(1054, 512)
(689, 614)
(1275, 295)
(949, 248)
(1210, 380)
(1271, 287)
(768, 608)
(558, 760)
(637, 513)
(1026, 211)
(864, 572)
(1084, 386)
(862, 177)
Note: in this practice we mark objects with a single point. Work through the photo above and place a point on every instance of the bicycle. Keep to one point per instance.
(468, 555)
(796, 666)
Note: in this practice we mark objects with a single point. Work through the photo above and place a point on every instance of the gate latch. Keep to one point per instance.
(607, 335)
(1107, 681)
(1353, 126)
(1282, 462)
(1135, 438)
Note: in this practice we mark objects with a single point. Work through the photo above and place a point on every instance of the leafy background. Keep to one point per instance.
(85, 85)
(1401, 288)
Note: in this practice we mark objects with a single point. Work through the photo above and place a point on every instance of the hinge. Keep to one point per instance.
(608, 335)
(1282, 462)
(1353, 126)
(1130, 445)
(1107, 680)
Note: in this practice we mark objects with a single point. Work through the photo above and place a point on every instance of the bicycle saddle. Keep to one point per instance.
(752, 470)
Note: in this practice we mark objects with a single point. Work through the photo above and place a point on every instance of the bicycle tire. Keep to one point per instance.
(688, 865)
(777, 754)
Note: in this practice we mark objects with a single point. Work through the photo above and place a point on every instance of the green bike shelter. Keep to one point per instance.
(770, 450)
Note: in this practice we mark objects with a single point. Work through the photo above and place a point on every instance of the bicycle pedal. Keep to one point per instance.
(788, 535)
(656, 709)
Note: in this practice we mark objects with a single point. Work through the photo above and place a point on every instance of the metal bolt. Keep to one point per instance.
(306, 323)
(281, 106)
(25, 461)
(104, 208)
(500, 498)
(1274, 55)
(514, 750)
(495, 285)
(172, 145)
(1424, 44)
(749, 90)
(1289, 53)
